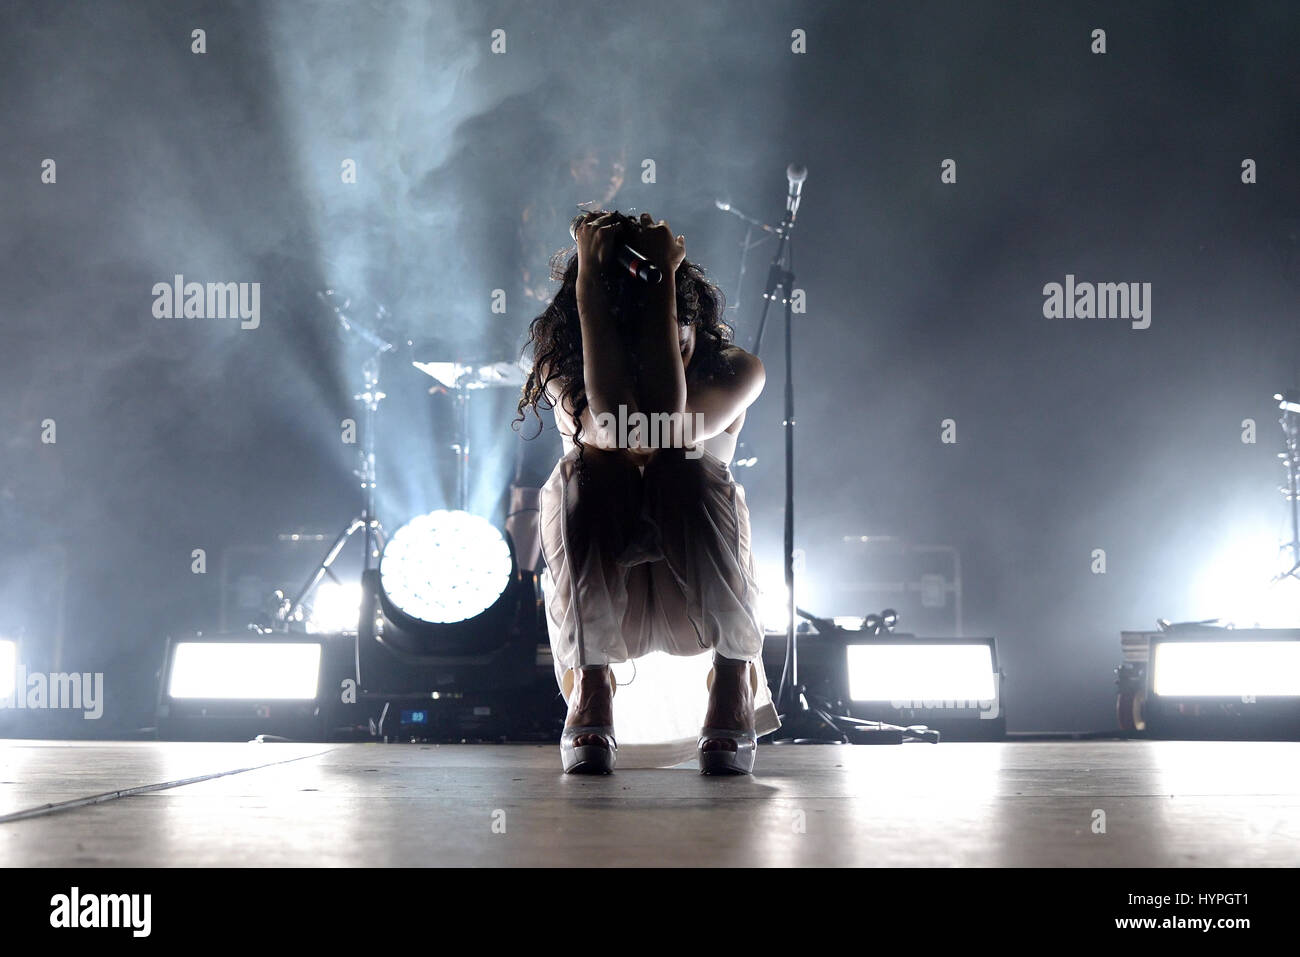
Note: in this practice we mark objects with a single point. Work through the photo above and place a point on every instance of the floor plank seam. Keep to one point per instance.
(94, 799)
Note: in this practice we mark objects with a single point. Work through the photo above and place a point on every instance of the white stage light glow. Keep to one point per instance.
(1225, 669)
(1241, 585)
(916, 672)
(260, 670)
(335, 608)
(445, 567)
(773, 599)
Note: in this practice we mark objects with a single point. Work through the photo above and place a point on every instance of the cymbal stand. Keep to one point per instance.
(292, 610)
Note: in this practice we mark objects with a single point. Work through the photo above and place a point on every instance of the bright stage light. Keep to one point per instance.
(445, 567)
(773, 600)
(335, 608)
(914, 671)
(774, 609)
(8, 667)
(1241, 585)
(244, 670)
(1225, 669)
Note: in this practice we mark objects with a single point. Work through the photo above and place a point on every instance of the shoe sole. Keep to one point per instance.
(588, 759)
(723, 762)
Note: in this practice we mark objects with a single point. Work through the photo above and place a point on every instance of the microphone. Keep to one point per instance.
(631, 260)
(638, 265)
(795, 175)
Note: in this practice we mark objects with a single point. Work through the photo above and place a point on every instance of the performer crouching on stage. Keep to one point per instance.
(645, 532)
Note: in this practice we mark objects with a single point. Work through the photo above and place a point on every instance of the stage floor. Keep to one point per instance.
(349, 805)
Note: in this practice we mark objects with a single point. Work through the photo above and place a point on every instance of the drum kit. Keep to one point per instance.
(367, 323)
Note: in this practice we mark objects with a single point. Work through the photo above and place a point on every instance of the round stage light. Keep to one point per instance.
(445, 567)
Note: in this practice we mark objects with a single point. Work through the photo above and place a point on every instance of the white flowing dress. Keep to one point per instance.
(680, 587)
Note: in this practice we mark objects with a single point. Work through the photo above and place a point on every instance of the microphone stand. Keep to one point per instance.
(801, 722)
(745, 246)
(743, 457)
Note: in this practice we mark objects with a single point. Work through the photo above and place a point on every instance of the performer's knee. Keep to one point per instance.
(602, 470)
(603, 494)
(675, 473)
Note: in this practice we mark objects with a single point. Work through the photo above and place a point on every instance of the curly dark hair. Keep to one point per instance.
(555, 336)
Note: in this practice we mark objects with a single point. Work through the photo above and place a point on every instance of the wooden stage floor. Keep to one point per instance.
(1174, 804)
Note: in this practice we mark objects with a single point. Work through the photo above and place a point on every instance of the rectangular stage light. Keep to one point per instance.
(917, 671)
(259, 669)
(1225, 669)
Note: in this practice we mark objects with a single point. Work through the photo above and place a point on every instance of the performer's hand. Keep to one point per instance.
(595, 237)
(658, 244)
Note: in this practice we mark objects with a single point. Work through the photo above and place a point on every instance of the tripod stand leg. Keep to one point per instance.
(806, 724)
(296, 605)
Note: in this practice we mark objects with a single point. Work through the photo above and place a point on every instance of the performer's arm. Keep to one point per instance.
(605, 366)
(606, 373)
(662, 385)
(721, 400)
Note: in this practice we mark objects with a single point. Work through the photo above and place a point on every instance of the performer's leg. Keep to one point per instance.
(731, 701)
(522, 525)
(588, 515)
(704, 526)
(704, 532)
(535, 458)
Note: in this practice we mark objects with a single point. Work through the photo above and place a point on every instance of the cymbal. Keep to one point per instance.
(485, 375)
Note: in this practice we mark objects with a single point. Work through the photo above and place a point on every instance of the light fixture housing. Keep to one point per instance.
(224, 687)
(953, 685)
(447, 614)
(1204, 681)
